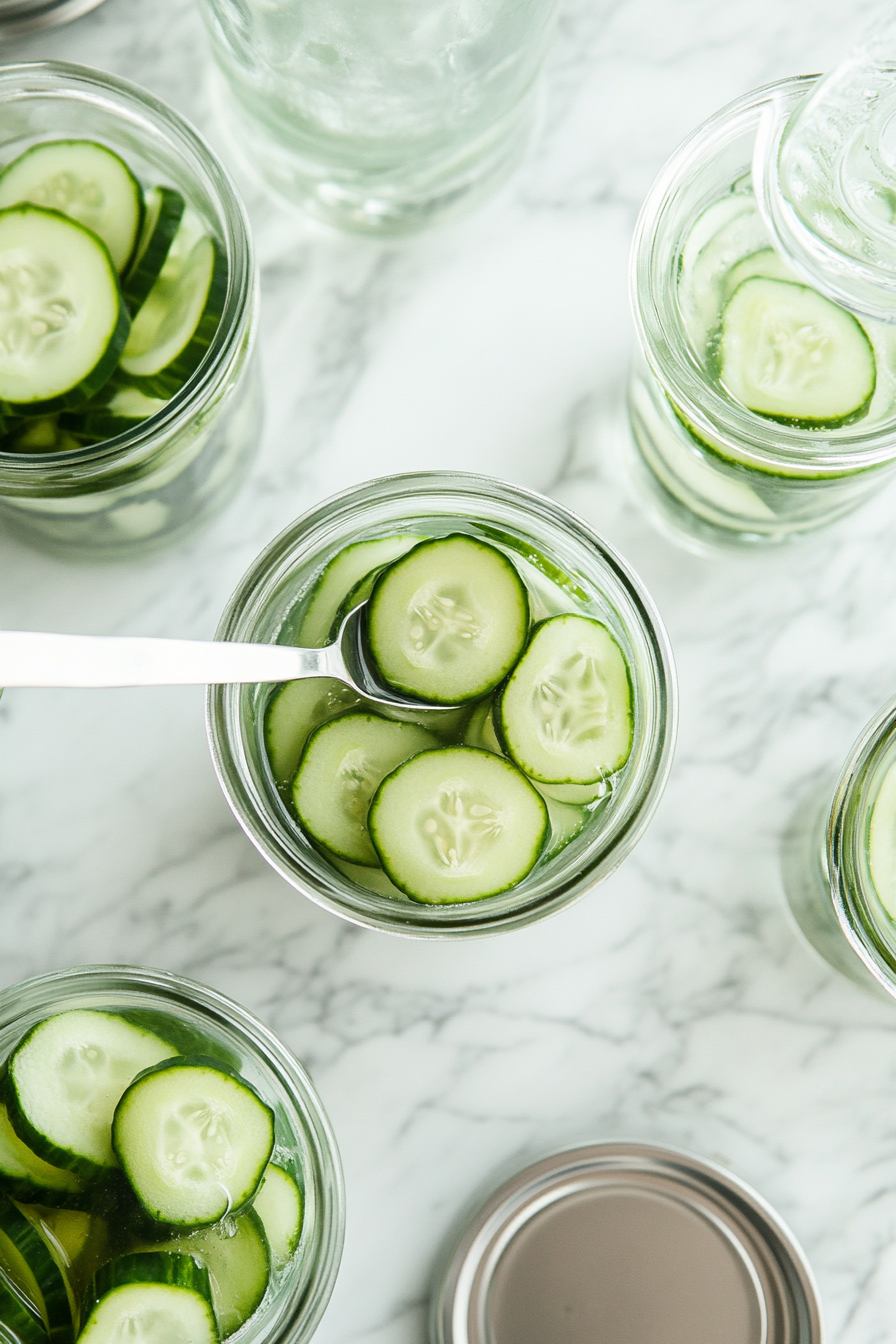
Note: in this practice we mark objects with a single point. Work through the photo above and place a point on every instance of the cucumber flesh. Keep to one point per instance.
(174, 326)
(457, 824)
(194, 1141)
(238, 1261)
(340, 576)
(788, 353)
(62, 320)
(566, 821)
(279, 1206)
(65, 1079)
(164, 212)
(292, 715)
(344, 762)
(882, 843)
(87, 182)
(78, 1242)
(151, 1298)
(24, 1175)
(448, 621)
(565, 715)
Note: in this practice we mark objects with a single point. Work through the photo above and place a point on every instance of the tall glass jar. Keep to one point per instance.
(558, 547)
(379, 117)
(150, 486)
(839, 863)
(304, 1142)
(710, 469)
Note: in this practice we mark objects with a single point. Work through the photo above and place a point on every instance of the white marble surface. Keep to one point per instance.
(674, 1003)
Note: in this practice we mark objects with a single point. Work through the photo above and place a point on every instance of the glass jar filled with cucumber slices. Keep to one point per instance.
(130, 403)
(761, 406)
(166, 1169)
(540, 723)
(840, 862)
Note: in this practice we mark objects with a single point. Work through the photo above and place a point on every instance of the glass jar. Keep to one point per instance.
(711, 470)
(832, 852)
(378, 118)
(296, 1301)
(267, 608)
(148, 487)
(18, 17)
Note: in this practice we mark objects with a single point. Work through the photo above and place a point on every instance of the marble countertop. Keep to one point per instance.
(674, 1003)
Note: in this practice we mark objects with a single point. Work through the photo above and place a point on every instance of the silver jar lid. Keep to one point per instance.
(626, 1243)
(18, 17)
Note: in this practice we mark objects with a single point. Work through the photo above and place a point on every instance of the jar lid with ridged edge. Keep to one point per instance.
(626, 1243)
(18, 17)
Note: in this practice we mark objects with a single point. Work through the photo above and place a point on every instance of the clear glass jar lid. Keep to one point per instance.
(825, 177)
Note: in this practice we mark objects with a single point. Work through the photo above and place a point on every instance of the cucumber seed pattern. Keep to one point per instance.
(443, 624)
(789, 354)
(462, 826)
(358, 777)
(80, 198)
(570, 702)
(32, 307)
(197, 1143)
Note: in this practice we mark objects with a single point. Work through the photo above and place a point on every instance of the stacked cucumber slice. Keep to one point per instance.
(109, 297)
(462, 803)
(138, 1198)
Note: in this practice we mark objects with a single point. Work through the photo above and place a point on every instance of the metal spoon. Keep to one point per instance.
(31, 659)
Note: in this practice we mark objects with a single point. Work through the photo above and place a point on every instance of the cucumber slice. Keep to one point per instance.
(18, 1324)
(24, 1175)
(565, 715)
(85, 181)
(193, 1139)
(882, 843)
(152, 1297)
(448, 621)
(340, 576)
(65, 1079)
(62, 320)
(457, 824)
(481, 733)
(292, 715)
(565, 823)
(175, 325)
(788, 353)
(44, 434)
(279, 1206)
(79, 1245)
(34, 1270)
(163, 214)
(238, 1261)
(128, 408)
(342, 767)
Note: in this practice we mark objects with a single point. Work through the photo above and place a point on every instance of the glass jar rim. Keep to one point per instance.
(656, 248)
(846, 833)
(58, 472)
(264, 579)
(94, 979)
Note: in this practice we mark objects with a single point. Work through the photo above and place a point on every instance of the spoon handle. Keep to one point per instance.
(31, 659)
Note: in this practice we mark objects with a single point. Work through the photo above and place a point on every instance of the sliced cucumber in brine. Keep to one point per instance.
(448, 621)
(152, 1297)
(342, 767)
(173, 329)
(788, 353)
(457, 824)
(87, 182)
(65, 1079)
(194, 1140)
(292, 715)
(279, 1206)
(164, 212)
(565, 714)
(341, 574)
(25, 1176)
(28, 1262)
(882, 843)
(18, 1322)
(238, 1260)
(62, 320)
(124, 411)
(566, 821)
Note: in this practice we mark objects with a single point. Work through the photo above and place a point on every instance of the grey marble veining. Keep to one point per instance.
(674, 1002)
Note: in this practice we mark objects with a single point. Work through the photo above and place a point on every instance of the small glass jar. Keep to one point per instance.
(267, 607)
(150, 486)
(828, 863)
(711, 471)
(299, 1294)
